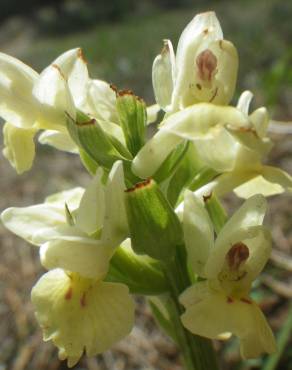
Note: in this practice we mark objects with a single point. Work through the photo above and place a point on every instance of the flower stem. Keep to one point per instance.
(197, 352)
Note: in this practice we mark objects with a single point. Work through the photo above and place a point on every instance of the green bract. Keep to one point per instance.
(154, 227)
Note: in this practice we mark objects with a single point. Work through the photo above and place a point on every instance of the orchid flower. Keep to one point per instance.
(248, 175)
(77, 232)
(31, 102)
(221, 303)
(204, 68)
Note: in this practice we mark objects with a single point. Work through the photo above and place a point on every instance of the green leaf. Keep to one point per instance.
(133, 118)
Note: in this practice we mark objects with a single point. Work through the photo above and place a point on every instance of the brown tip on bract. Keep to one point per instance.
(139, 185)
(91, 122)
(80, 55)
(125, 92)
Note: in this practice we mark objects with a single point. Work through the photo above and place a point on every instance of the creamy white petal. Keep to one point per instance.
(81, 314)
(198, 232)
(154, 152)
(258, 185)
(152, 113)
(216, 314)
(17, 104)
(26, 222)
(74, 68)
(19, 147)
(90, 214)
(115, 225)
(163, 75)
(203, 121)
(59, 140)
(71, 197)
(200, 32)
(76, 253)
(244, 101)
(101, 101)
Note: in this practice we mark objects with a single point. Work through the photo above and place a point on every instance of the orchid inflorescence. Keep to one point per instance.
(150, 221)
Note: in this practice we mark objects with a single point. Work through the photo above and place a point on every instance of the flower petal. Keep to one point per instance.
(163, 71)
(216, 314)
(19, 147)
(81, 314)
(17, 104)
(258, 185)
(76, 253)
(203, 121)
(101, 101)
(152, 113)
(153, 153)
(26, 222)
(198, 232)
(200, 32)
(115, 226)
(277, 176)
(59, 140)
(90, 214)
(244, 101)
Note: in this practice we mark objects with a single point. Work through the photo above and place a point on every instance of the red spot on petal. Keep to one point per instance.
(236, 255)
(230, 300)
(69, 293)
(246, 300)
(207, 63)
(83, 300)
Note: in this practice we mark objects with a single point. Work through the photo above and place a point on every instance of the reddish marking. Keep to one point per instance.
(238, 254)
(81, 55)
(139, 185)
(69, 293)
(165, 49)
(206, 31)
(214, 95)
(83, 300)
(230, 300)
(206, 62)
(59, 70)
(114, 88)
(246, 300)
(91, 122)
(207, 197)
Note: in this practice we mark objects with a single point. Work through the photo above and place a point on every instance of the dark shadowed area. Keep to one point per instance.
(120, 39)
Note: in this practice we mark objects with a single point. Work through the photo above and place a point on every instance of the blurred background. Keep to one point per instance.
(120, 39)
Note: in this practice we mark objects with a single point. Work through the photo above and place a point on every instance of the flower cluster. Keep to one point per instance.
(102, 243)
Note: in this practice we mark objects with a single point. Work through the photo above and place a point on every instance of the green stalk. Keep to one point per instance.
(197, 352)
